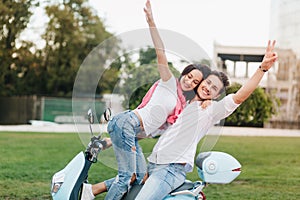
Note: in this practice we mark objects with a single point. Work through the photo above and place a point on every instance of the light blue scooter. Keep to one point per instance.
(213, 167)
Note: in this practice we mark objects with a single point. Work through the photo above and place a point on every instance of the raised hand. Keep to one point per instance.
(247, 89)
(162, 62)
(148, 12)
(270, 56)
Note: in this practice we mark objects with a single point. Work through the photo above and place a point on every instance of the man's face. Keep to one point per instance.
(210, 88)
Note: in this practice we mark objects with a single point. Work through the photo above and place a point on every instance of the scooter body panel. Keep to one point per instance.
(70, 176)
(218, 167)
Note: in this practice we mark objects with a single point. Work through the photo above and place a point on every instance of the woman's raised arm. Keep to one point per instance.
(163, 68)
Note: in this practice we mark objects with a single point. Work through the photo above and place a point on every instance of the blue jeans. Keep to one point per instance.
(162, 180)
(123, 129)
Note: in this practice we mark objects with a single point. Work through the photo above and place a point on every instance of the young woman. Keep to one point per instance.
(163, 102)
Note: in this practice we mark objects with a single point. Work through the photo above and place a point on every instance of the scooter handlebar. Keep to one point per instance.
(103, 143)
(94, 147)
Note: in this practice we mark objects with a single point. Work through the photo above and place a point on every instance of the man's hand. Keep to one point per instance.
(270, 56)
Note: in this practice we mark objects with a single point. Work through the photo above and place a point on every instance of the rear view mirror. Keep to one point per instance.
(90, 116)
(107, 114)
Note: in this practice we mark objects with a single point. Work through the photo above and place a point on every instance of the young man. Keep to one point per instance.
(173, 155)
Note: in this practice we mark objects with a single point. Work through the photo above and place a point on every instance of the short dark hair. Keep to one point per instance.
(223, 78)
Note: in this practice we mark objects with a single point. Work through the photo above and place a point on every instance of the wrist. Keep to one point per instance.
(151, 23)
(262, 69)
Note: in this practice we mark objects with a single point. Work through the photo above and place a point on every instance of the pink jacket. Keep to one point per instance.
(180, 104)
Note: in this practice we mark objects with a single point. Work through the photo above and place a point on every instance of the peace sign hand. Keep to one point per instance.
(270, 56)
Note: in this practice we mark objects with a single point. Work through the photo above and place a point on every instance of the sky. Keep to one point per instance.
(227, 22)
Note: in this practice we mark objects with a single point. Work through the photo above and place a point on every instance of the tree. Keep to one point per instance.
(14, 18)
(73, 31)
(139, 77)
(110, 81)
(256, 110)
(27, 78)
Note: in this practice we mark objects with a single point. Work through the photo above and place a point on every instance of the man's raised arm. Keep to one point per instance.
(268, 61)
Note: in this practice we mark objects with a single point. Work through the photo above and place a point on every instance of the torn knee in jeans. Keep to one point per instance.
(133, 148)
(145, 178)
(133, 178)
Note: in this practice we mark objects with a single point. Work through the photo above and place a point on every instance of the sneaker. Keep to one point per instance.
(87, 193)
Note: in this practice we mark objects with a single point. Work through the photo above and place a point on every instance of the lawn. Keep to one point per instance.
(270, 165)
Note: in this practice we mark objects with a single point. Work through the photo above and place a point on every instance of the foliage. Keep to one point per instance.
(270, 168)
(110, 78)
(15, 61)
(256, 110)
(73, 30)
(110, 83)
(140, 76)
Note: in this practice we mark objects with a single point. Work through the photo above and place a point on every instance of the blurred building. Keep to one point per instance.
(284, 78)
(285, 27)
(285, 24)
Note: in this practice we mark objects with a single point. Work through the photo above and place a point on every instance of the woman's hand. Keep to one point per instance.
(162, 62)
(148, 12)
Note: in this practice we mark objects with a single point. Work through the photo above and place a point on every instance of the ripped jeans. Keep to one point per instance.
(123, 129)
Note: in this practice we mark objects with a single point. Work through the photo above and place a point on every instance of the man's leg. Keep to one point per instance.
(162, 180)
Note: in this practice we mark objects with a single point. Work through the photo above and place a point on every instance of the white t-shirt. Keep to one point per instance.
(162, 103)
(179, 142)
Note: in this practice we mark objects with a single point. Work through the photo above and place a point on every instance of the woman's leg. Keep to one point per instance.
(141, 164)
(123, 131)
(99, 188)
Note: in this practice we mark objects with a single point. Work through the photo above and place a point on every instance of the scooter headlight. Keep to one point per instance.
(57, 181)
(55, 187)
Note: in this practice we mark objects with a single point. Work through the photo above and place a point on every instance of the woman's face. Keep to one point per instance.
(191, 80)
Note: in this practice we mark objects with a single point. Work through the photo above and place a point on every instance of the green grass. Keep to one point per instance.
(270, 165)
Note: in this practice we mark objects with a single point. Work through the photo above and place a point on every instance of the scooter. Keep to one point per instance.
(67, 183)
(213, 168)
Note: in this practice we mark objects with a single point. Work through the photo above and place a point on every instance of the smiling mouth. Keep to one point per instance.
(187, 85)
(204, 91)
